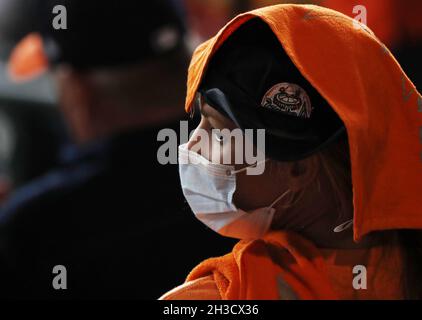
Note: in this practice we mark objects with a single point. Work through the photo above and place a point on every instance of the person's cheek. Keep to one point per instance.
(219, 151)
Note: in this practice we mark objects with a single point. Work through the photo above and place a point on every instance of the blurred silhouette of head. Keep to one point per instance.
(116, 65)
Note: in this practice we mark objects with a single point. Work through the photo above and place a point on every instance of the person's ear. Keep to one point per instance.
(75, 99)
(302, 173)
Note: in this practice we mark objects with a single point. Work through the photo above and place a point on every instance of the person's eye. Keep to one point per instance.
(218, 136)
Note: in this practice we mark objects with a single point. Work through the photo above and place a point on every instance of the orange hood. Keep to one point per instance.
(364, 84)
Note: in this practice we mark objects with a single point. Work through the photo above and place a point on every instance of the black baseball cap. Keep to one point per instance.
(103, 33)
(252, 81)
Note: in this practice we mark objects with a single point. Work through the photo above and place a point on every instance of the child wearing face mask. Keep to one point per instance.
(325, 218)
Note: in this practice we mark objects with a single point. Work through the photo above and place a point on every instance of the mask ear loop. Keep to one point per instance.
(344, 226)
(279, 198)
(230, 172)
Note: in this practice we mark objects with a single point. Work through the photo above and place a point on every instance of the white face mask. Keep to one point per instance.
(209, 188)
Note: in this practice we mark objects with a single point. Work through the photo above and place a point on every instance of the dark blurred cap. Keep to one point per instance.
(93, 34)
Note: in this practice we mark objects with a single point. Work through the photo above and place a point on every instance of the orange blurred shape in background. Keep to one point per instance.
(27, 59)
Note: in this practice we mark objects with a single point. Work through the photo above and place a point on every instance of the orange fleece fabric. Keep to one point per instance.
(285, 266)
(382, 16)
(254, 270)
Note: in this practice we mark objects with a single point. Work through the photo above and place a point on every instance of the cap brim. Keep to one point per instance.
(27, 59)
(287, 138)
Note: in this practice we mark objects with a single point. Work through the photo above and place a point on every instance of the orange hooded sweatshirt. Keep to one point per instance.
(382, 112)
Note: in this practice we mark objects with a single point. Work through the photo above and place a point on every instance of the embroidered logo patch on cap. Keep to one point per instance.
(288, 98)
